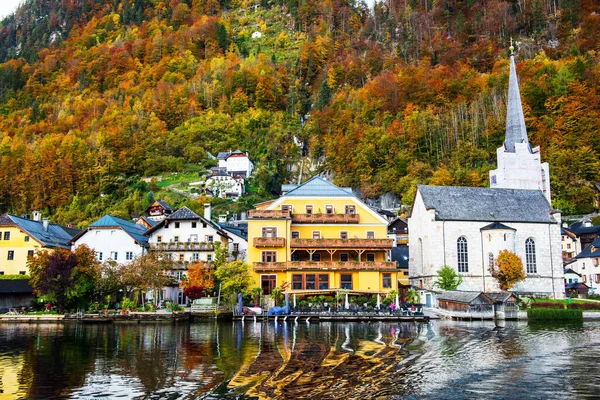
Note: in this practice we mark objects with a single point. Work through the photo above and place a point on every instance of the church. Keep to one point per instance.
(466, 227)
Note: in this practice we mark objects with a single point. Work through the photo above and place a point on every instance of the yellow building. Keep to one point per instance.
(320, 238)
(21, 237)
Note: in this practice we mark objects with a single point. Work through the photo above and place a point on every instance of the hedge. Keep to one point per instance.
(584, 306)
(547, 304)
(17, 277)
(554, 314)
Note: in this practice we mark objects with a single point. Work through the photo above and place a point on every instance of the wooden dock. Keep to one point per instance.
(334, 317)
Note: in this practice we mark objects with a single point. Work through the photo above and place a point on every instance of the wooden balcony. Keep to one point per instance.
(328, 244)
(269, 242)
(269, 214)
(182, 246)
(325, 266)
(325, 218)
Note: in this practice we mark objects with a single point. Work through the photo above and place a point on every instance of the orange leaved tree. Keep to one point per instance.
(508, 269)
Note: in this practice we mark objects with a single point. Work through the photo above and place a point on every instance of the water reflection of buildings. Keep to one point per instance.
(325, 361)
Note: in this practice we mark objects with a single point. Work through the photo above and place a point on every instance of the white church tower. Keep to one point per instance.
(519, 166)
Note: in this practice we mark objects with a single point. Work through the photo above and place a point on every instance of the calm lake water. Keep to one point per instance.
(439, 360)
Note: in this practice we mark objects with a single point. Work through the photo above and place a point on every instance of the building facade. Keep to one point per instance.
(114, 239)
(466, 228)
(21, 237)
(320, 238)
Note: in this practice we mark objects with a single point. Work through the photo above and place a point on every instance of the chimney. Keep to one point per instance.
(222, 219)
(45, 222)
(37, 216)
(207, 211)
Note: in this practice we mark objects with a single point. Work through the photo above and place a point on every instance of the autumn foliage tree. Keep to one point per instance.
(64, 277)
(508, 269)
(200, 274)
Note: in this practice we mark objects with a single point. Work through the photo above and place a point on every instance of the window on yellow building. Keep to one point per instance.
(6, 235)
(323, 281)
(27, 238)
(29, 253)
(269, 256)
(328, 209)
(346, 281)
(370, 257)
(350, 210)
(310, 282)
(295, 235)
(343, 235)
(387, 281)
(344, 257)
(297, 282)
(316, 257)
(269, 232)
(309, 210)
(11, 255)
(21, 272)
(286, 207)
(316, 234)
(370, 235)
(268, 283)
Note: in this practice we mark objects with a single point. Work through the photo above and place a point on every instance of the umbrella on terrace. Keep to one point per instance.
(397, 302)
(346, 303)
(378, 301)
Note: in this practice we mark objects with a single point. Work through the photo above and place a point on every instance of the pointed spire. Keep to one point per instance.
(515, 121)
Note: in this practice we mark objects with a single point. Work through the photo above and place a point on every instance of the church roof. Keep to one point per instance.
(317, 186)
(496, 225)
(515, 121)
(453, 203)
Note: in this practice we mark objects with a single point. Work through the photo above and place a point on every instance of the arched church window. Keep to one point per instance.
(462, 254)
(491, 261)
(530, 263)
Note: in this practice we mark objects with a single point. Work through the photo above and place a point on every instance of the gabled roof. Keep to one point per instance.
(223, 155)
(591, 251)
(496, 226)
(55, 236)
(461, 297)
(149, 221)
(317, 186)
(566, 232)
(237, 153)
(570, 271)
(500, 297)
(134, 230)
(580, 228)
(453, 203)
(575, 285)
(185, 213)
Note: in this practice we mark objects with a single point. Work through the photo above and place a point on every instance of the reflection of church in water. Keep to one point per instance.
(322, 361)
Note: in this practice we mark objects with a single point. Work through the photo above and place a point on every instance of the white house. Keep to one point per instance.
(188, 238)
(226, 186)
(587, 264)
(236, 163)
(238, 243)
(465, 228)
(571, 245)
(114, 239)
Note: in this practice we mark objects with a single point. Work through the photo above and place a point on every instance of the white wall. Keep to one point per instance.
(107, 240)
(240, 164)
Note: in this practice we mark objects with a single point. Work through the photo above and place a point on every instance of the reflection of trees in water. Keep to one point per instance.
(328, 360)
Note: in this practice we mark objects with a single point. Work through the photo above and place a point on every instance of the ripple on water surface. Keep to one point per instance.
(440, 360)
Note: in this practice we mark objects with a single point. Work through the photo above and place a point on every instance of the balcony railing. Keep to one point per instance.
(269, 214)
(199, 246)
(325, 266)
(325, 218)
(375, 244)
(269, 242)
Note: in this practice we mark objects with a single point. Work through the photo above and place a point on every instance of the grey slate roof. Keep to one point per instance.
(495, 226)
(165, 205)
(183, 213)
(499, 297)
(453, 203)
(460, 297)
(317, 186)
(588, 252)
(579, 228)
(238, 232)
(223, 155)
(132, 229)
(515, 121)
(570, 271)
(55, 236)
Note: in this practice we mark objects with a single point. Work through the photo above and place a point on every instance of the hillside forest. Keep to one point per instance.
(95, 94)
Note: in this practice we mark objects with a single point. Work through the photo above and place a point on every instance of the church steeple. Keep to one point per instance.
(515, 121)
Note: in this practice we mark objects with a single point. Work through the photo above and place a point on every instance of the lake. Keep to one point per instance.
(327, 360)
